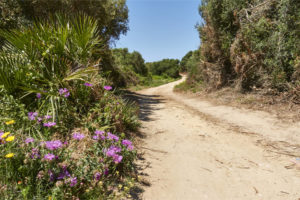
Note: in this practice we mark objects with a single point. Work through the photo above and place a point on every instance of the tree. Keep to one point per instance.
(165, 67)
(130, 61)
(112, 15)
(184, 60)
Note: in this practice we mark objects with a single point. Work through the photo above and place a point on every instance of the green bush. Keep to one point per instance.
(165, 68)
(249, 44)
(63, 131)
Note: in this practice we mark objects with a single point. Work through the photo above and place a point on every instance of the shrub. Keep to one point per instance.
(63, 134)
(165, 67)
(249, 44)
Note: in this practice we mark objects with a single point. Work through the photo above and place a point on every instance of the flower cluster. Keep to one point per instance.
(113, 153)
(64, 92)
(128, 144)
(78, 136)
(35, 116)
(4, 138)
(99, 135)
(53, 145)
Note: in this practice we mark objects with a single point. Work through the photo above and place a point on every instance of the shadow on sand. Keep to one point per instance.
(146, 108)
(145, 102)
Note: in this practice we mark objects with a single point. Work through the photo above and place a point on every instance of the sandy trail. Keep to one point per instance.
(196, 150)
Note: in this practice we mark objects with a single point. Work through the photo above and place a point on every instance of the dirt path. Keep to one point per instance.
(195, 150)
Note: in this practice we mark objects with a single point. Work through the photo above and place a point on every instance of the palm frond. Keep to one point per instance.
(81, 74)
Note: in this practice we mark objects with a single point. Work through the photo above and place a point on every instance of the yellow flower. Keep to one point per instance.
(10, 138)
(5, 135)
(9, 155)
(10, 122)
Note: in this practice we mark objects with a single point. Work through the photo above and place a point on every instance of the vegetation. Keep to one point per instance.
(139, 75)
(165, 68)
(111, 18)
(132, 66)
(64, 132)
(111, 15)
(249, 44)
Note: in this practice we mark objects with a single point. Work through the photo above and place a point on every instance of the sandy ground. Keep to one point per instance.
(196, 150)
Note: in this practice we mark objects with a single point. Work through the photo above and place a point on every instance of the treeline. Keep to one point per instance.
(165, 67)
(136, 71)
(247, 44)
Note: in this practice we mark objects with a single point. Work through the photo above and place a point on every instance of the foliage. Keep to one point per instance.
(250, 43)
(132, 66)
(63, 129)
(165, 67)
(184, 60)
(130, 61)
(111, 15)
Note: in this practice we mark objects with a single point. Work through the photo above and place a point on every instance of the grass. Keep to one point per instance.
(185, 87)
(154, 82)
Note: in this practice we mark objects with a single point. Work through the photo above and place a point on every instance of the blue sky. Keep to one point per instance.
(161, 28)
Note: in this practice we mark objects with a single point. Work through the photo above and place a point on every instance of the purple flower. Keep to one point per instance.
(78, 136)
(96, 137)
(29, 140)
(53, 145)
(51, 175)
(73, 182)
(64, 91)
(106, 171)
(32, 115)
(39, 119)
(112, 152)
(97, 176)
(97, 132)
(88, 84)
(128, 144)
(49, 156)
(49, 124)
(118, 158)
(38, 95)
(64, 173)
(111, 136)
(107, 87)
(47, 116)
(35, 153)
(67, 94)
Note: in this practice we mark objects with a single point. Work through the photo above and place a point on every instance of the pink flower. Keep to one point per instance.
(32, 115)
(38, 95)
(49, 124)
(29, 140)
(64, 91)
(78, 136)
(107, 87)
(128, 144)
(111, 136)
(53, 145)
(49, 156)
(88, 84)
